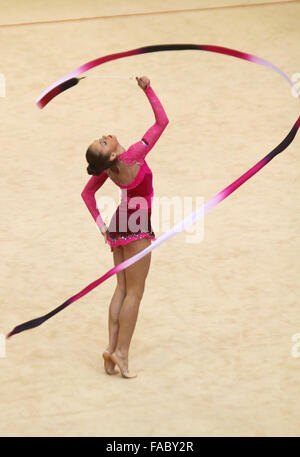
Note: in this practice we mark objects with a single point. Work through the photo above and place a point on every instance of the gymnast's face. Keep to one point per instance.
(106, 145)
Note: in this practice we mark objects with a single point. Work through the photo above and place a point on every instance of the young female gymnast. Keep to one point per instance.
(130, 230)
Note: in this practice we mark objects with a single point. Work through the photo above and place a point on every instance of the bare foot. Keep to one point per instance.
(109, 364)
(122, 364)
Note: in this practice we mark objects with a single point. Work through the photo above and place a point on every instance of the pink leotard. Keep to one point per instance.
(141, 185)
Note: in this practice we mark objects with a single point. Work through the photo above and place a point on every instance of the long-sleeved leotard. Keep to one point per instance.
(141, 186)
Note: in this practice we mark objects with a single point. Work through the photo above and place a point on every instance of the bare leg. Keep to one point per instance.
(114, 311)
(135, 284)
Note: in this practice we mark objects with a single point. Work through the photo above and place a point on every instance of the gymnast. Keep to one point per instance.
(130, 230)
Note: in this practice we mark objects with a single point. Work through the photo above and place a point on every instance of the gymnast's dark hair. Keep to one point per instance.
(98, 163)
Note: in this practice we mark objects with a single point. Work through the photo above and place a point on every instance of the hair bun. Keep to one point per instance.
(91, 170)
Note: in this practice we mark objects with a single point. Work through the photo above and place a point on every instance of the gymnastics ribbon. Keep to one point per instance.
(64, 83)
(71, 79)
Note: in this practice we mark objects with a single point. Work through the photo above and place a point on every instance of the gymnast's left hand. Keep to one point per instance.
(104, 232)
(143, 82)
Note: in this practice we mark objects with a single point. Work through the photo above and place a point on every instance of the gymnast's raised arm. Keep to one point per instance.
(139, 150)
(161, 119)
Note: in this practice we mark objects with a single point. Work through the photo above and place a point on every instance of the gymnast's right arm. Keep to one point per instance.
(139, 150)
(88, 195)
(161, 119)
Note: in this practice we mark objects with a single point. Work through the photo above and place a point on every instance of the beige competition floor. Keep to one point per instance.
(213, 341)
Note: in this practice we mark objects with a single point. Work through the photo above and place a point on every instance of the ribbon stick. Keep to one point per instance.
(72, 79)
(109, 77)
